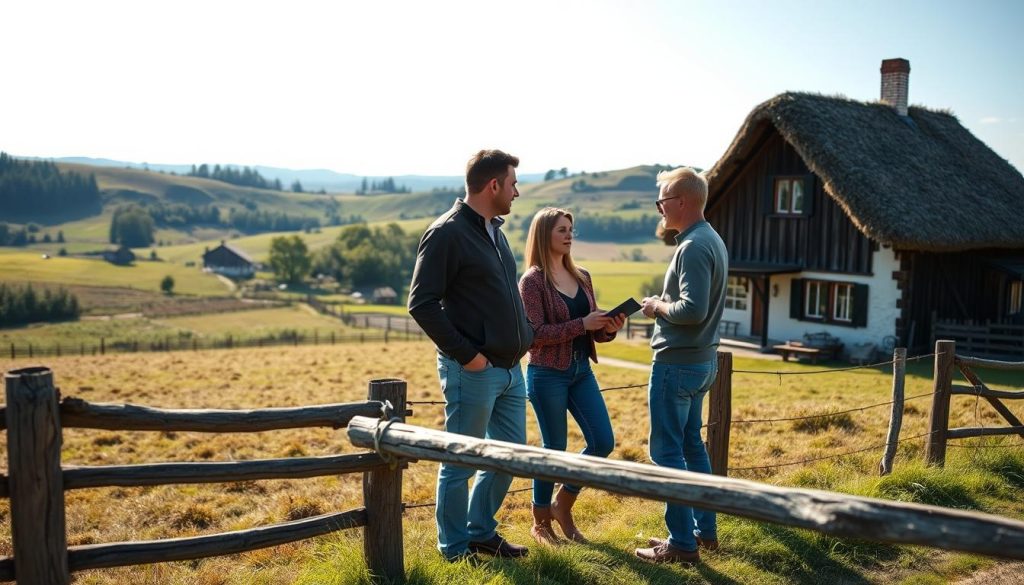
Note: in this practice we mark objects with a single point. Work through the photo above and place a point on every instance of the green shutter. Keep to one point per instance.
(796, 299)
(860, 305)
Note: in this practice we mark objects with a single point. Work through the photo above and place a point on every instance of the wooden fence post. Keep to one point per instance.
(899, 374)
(382, 497)
(720, 415)
(938, 425)
(35, 479)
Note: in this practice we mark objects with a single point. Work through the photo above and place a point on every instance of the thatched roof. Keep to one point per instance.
(921, 183)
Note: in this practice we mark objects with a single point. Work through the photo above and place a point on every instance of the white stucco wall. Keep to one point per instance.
(882, 310)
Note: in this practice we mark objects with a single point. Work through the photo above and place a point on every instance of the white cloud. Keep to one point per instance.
(990, 120)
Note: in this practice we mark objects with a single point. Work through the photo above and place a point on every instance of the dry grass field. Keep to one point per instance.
(986, 479)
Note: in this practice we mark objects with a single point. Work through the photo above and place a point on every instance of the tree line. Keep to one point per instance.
(244, 177)
(35, 187)
(383, 186)
(134, 225)
(609, 228)
(23, 304)
(360, 256)
(27, 234)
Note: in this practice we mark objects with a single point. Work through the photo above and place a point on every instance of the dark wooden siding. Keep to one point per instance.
(224, 257)
(955, 286)
(823, 239)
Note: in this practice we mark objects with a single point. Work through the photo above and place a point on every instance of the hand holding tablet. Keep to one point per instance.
(627, 308)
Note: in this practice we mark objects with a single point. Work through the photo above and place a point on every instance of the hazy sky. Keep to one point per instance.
(415, 87)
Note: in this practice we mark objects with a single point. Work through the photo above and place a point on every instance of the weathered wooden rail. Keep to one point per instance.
(946, 361)
(34, 417)
(827, 512)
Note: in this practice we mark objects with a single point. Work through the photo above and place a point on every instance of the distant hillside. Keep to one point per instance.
(311, 179)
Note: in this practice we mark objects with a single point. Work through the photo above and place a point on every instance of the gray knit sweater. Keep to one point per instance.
(695, 290)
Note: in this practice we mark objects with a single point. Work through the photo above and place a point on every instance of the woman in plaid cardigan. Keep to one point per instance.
(559, 301)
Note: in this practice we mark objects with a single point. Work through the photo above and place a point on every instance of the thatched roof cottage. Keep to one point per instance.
(869, 221)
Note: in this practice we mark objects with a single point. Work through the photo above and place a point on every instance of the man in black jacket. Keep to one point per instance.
(464, 296)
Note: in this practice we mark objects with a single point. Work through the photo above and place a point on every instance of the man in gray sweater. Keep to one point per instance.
(685, 344)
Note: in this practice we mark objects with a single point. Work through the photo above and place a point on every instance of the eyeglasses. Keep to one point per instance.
(659, 202)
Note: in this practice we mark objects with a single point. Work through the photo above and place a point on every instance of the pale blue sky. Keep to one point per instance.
(415, 87)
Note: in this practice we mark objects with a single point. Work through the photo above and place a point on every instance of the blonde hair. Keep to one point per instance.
(685, 181)
(538, 243)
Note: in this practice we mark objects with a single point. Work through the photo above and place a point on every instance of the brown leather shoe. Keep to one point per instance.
(666, 553)
(499, 547)
(708, 545)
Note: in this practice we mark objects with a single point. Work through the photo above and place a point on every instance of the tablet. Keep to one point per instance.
(627, 307)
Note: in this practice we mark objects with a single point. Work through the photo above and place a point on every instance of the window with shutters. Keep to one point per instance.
(826, 301)
(842, 302)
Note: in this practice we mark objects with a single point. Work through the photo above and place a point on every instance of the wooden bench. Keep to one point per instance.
(814, 345)
(788, 349)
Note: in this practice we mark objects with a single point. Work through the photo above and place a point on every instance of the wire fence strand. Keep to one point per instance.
(829, 371)
(834, 456)
(824, 414)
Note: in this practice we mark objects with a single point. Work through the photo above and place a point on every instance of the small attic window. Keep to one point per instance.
(789, 196)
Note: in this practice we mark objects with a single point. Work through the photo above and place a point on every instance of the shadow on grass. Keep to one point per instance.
(804, 557)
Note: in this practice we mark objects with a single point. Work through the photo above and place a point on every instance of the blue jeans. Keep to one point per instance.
(554, 392)
(675, 396)
(489, 404)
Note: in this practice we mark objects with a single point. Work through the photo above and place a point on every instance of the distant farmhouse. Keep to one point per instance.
(122, 256)
(870, 221)
(228, 260)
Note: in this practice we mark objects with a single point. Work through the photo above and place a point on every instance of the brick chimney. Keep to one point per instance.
(895, 79)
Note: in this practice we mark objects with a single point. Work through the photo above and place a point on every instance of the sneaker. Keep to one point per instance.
(499, 547)
(709, 545)
(666, 553)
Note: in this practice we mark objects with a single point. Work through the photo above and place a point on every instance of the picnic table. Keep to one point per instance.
(813, 346)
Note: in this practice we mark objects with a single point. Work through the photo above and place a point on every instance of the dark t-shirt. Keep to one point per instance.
(579, 307)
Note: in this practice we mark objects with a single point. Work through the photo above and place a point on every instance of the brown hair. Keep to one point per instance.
(486, 165)
(538, 243)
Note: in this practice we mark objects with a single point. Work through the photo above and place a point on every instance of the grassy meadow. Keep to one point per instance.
(123, 330)
(983, 479)
(20, 265)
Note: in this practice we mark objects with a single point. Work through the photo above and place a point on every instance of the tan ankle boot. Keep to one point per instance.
(541, 531)
(561, 512)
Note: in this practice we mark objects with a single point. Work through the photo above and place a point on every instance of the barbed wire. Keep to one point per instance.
(834, 456)
(863, 367)
(825, 414)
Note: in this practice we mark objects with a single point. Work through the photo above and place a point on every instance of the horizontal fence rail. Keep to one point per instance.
(75, 412)
(120, 554)
(830, 513)
(218, 472)
(35, 417)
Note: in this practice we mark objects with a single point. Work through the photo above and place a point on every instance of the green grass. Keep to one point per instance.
(19, 265)
(984, 479)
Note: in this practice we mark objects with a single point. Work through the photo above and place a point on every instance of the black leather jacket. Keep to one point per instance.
(464, 293)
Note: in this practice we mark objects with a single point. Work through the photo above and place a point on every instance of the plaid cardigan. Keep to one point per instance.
(548, 314)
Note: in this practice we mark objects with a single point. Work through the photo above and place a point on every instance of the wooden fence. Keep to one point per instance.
(827, 512)
(34, 417)
(946, 359)
(992, 340)
(102, 346)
